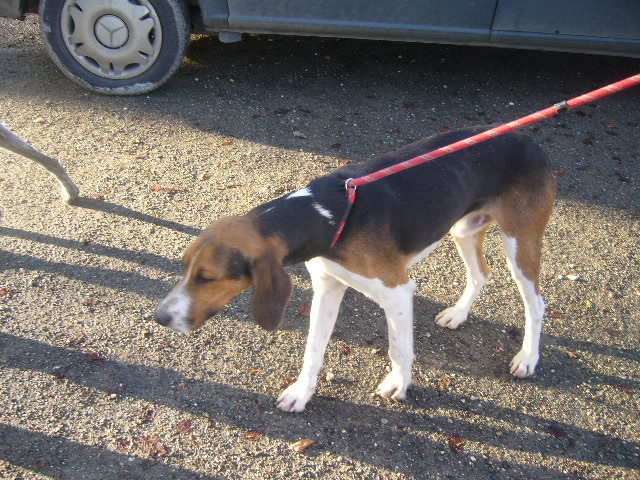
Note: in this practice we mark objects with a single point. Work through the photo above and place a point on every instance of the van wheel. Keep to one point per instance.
(119, 47)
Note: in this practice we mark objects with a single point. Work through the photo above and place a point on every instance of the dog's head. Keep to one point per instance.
(227, 258)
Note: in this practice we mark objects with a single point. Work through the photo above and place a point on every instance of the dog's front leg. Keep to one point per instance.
(398, 307)
(327, 295)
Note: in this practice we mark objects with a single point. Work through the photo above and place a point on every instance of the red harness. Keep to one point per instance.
(352, 183)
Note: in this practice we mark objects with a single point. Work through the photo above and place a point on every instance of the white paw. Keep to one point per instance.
(524, 364)
(452, 317)
(295, 397)
(69, 195)
(394, 386)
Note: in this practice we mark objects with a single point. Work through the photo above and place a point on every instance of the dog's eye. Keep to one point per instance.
(200, 280)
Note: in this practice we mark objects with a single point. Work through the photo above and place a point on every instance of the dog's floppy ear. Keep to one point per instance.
(271, 291)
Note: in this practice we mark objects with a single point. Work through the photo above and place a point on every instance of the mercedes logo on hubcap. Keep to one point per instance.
(111, 31)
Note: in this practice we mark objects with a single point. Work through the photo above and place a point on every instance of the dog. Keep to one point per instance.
(12, 142)
(394, 223)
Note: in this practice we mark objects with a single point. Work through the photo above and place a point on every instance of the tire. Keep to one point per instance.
(120, 47)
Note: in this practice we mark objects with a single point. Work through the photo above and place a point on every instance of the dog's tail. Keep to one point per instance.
(14, 143)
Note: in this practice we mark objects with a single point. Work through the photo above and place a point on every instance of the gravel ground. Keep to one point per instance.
(93, 389)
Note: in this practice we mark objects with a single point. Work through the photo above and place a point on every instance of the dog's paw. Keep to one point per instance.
(295, 397)
(69, 194)
(394, 386)
(452, 317)
(524, 364)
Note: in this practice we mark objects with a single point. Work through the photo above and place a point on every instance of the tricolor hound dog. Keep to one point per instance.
(394, 223)
(12, 142)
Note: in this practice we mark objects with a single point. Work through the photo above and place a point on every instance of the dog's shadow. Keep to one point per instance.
(407, 438)
(360, 322)
(480, 347)
(115, 209)
(132, 281)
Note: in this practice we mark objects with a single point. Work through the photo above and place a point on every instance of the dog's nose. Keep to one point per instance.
(162, 318)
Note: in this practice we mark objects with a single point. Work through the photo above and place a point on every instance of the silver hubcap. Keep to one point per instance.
(111, 31)
(114, 39)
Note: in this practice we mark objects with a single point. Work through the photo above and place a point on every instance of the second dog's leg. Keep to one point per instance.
(11, 141)
(68, 189)
(327, 295)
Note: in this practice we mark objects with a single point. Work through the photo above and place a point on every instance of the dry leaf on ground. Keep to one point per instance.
(443, 384)
(152, 447)
(455, 442)
(184, 426)
(301, 445)
(252, 435)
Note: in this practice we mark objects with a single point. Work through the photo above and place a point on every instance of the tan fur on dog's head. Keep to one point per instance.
(226, 259)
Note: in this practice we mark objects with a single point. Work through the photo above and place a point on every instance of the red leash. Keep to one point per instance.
(352, 183)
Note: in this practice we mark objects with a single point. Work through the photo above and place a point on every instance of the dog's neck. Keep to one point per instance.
(305, 223)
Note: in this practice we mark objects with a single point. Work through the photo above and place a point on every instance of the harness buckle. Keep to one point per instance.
(350, 190)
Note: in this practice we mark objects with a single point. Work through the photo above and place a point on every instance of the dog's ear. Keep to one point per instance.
(271, 291)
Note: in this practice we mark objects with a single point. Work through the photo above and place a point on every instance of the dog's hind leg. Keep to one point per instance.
(468, 235)
(522, 220)
(525, 275)
(12, 142)
(327, 295)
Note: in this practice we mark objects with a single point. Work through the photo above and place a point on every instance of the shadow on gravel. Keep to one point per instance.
(141, 258)
(128, 281)
(114, 208)
(353, 98)
(458, 350)
(57, 457)
(456, 344)
(350, 423)
(104, 277)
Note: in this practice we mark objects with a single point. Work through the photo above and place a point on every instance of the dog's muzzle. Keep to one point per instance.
(170, 320)
(163, 318)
